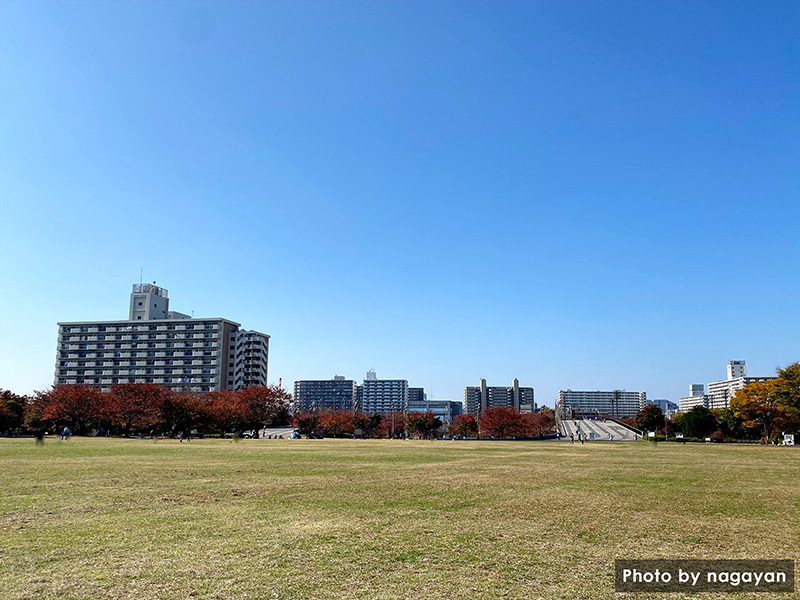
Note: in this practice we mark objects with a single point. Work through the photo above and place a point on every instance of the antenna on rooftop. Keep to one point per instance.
(141, 273)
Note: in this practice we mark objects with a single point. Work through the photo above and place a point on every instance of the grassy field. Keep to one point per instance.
(112, 518)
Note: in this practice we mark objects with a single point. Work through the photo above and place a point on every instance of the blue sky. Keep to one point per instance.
(584, 195)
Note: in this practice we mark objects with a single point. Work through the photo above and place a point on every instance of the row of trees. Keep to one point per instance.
(497, 422)
(144, 407)
(759, 410)
(348, 424)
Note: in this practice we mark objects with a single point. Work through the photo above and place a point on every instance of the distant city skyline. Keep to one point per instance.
(593, 196)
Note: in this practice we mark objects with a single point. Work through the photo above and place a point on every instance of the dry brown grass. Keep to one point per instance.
(109, 518)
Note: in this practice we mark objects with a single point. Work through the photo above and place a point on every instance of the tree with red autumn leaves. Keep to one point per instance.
(133, 405)
(267, 404)
(182, 411)
(78, 406)
(465, 426)
(539, 423)
(393, 425)
(500, 422)
(334, 422)
(228, 411)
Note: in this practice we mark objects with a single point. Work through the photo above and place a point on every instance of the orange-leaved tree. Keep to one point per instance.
(133, 405)
(267, 404)
(757, 403)
(464, 426)
(500, 422)
(76, 405)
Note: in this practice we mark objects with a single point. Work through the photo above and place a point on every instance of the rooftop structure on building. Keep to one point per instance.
(479, 398)
(614, 403)
(160, 346)
(720, 392)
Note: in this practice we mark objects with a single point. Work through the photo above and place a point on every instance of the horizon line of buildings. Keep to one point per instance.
(720, 392)
(165, 347)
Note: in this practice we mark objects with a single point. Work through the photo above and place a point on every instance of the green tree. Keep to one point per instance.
(423, 424)
(787, 392)
(306, 423)
(367, 424)
(650, 418)
(698, 422)
(731, 425)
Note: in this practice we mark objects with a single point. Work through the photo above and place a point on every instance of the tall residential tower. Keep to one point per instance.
(157, 345)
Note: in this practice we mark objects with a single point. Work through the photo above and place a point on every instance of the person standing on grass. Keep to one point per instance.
(39, 435)
(571, 438)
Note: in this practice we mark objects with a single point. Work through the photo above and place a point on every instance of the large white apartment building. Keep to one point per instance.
(382, 395)
(720, 392)
(615, 403)
(478, 398)
(156, 345)
(697, 397)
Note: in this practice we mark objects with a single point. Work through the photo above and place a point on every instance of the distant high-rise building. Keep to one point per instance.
(479, 398)
(326, 394)
(697, 397)
(382, 395)
(720, 392)
(667, 407)
(157, 345)
(615, 403)
(416, 395)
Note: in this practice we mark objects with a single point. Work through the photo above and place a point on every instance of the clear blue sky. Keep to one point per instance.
(585, 195)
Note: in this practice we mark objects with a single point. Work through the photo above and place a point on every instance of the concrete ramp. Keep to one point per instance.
(604, 431)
